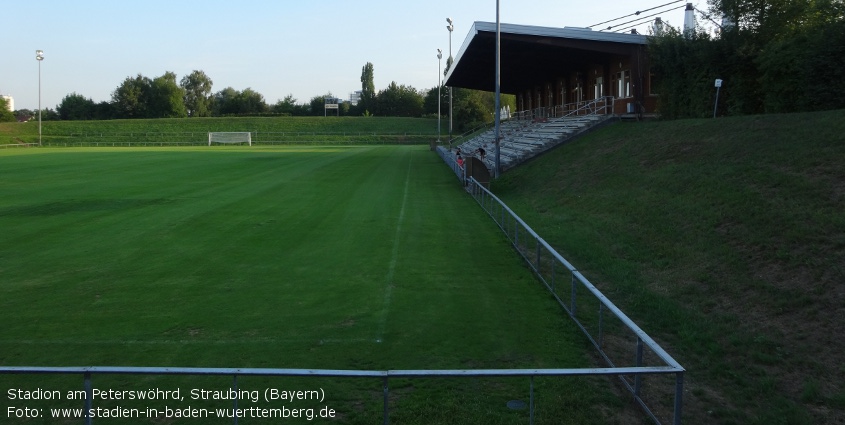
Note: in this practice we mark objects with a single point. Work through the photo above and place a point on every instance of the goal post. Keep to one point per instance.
(230, 137)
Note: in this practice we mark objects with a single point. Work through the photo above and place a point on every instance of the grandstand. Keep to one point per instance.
(523, 139)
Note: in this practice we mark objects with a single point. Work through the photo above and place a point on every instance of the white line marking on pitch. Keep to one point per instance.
(393, 258)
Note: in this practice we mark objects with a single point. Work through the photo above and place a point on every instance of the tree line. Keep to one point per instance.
(774, 56)
(191, 96)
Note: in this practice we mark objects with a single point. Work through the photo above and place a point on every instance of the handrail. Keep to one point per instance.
(89, 371)
(510, 223)
(330, 373)
(467, 133)
(569, 109)
(588, 285)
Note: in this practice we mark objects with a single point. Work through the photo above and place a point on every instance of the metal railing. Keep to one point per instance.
(600, 106)
(194, 138)
(617, 339)
(88, 373)
(615, 336)
(90, 144)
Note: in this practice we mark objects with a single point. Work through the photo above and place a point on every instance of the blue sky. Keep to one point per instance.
(279, 47)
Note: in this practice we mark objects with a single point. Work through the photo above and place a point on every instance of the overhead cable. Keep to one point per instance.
(639, 19)
(636, 13)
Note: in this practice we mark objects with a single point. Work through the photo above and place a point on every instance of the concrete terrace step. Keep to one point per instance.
(522, 140)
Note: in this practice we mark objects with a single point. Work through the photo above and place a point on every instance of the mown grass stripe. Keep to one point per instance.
(394, 255)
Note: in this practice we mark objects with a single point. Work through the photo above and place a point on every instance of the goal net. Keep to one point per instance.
(230, 137)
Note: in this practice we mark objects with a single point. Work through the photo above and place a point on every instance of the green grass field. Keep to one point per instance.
(725, 240)
(310, 257)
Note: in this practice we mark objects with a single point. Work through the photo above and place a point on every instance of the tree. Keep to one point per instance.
(225, 102)
(430, 101)
(197, 87)
(5, 114)
(787, 65)
(104, 111)
(48, 114)
(131, 97)
(399, 101)
(769, 20)
(318, 104)
(232, 102)
(251, 102)
(286, 106)
(471, 108)
(24, 115)
(767, 60)
(77, 107)
(367, 103)
(166, 98)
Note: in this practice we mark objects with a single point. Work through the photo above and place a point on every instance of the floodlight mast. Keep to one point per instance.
(439, 83)
(450, 27)
(39, 56)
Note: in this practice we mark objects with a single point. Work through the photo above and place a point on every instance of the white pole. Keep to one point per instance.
(39, 56)
(716, 105)
(451, 28)
(439, 84)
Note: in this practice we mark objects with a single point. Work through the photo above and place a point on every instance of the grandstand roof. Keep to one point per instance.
(530, 55)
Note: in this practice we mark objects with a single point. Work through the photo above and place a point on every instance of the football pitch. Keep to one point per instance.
(311, 257)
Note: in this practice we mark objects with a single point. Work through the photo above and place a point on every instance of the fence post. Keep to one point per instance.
(235, 399)
(89, 396)
(531, 402)
(638, 378)
(386, 413)
(679, 397)
(572, 303)
(601, 324)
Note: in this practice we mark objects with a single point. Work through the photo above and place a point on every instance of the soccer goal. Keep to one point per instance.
(230, 137)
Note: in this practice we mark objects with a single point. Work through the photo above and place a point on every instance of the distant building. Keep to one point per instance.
(355, 97)
(10, 101)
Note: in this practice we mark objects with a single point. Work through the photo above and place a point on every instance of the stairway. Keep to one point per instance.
(523, 140)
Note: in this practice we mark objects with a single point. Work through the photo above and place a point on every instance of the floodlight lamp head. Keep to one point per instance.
(39, 55)
(450, 27)
(449, 20)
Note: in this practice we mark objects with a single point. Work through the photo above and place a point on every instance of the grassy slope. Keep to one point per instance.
(274, 257)
(725, 239)
(166, 129)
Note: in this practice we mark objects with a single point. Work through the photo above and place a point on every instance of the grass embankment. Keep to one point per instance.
(301, 257)
(194, 130)
(725, 240)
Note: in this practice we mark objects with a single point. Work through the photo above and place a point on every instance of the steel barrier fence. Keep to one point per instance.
(255, 143)
(88, 373)
(614, 335)
(617, 339)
